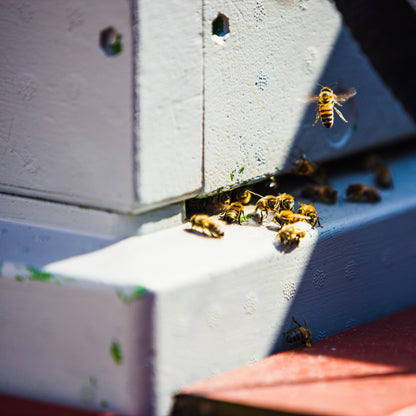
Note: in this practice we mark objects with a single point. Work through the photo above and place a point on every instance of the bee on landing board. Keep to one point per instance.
(264, 205)
(242, 195)
(290, 235)
(234, 213)
(358, 192)
(326, 104)
(286, 201)
(288, 217)
(309, 211)
(384, 177)
(221, 200)
(299, 334)
(323, 193)
(204, 222)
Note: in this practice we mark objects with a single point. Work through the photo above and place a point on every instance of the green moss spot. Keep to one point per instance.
(277, 169)
(241, 170)
(19, 278)
(115, 352)
(137, 293)
(39, 275)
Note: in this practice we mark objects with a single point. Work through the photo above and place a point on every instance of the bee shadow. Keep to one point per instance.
(279, 247)
(198, 233)
(273, 228)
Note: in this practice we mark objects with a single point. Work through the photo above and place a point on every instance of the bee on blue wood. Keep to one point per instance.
(299, 334)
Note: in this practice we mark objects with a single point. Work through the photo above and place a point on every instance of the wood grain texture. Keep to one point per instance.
(111, 132)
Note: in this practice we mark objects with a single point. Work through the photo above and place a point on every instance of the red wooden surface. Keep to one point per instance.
(364, 371)
(16, 406)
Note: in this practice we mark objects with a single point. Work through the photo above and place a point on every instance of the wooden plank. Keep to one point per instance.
(367, 370)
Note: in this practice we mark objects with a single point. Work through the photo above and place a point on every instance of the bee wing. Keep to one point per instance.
(301, 217)
(346, 95)
(311, 99)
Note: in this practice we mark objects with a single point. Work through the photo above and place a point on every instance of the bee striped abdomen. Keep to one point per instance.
(215, 230)
(296, 335)
(327, 115)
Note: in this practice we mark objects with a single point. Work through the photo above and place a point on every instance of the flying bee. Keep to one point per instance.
(286, 201)
(234, 213)
(384, 177)
(304, 167)
(290, 235)
(264, 205)
(323, 193)
(358, 192)
(309, 211)
(288, 217)
(204, 222)
(326, 102)
(242, 195)
(299, 334)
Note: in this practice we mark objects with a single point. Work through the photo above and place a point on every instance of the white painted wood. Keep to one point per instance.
(257, 79)
(169, 99)
(107, 132)
(215, 304)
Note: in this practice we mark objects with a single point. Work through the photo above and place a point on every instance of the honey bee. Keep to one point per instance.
(290, 235)
(285, 201)
(288, 217)
(242, 195)
(264, 205)
(326, 102)
(323, 193)
(358, 192)
(309, 211)
(221, 200)
(304, 167)
(204, 222)
(234, 213)
(299, 334)
(384, 177)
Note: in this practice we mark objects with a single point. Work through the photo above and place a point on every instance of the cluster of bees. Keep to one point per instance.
(229, 207)
(293, 225)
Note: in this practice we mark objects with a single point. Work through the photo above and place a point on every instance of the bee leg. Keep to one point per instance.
(295, 321)
(340, 114)
(306, 324)
(317, 117)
